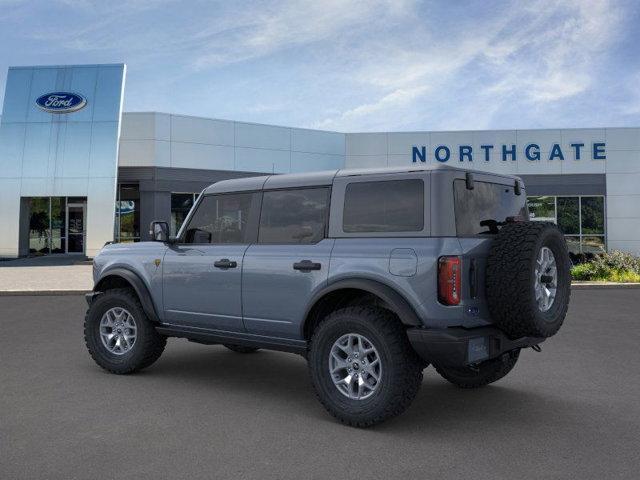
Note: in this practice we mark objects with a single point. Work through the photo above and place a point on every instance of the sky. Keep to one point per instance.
(351, 66)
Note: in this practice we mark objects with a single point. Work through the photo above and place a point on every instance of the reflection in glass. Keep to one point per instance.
(128, 214)
(573, 243)
(39, 225)
(58, 244)
(568, 215)
(592, 215)
(76, 233)
(58, 217)
(542, 209)
(49, 231)
(593, 244)
(181, 203)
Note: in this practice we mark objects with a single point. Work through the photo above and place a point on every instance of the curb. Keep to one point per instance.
(22, 293)
(602, 285)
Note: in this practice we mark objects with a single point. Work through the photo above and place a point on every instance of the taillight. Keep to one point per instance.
(449, 274)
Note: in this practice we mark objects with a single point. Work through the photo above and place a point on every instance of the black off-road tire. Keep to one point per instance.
(510, 279)
(482, 374)
(148, 346)
(401, 374)
(240, 348)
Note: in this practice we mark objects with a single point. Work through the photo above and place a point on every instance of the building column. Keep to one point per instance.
(154, 205)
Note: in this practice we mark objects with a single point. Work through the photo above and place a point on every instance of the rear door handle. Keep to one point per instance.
(225, 263)
(306, 265)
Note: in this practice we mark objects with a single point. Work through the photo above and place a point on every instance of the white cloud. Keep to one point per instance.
(286, 24)
(348, 64)
(542, 52)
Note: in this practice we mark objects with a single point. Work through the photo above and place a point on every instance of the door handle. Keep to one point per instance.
(225, 263)
(306, 265)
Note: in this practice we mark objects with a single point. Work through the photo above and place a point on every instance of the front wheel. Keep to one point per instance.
(362, 366)
(480, 375)
(119, 336)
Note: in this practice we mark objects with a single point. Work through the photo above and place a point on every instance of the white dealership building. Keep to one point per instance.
(76, 171)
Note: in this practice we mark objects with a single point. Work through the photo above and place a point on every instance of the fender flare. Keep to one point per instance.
(398, 304)
(138, 286)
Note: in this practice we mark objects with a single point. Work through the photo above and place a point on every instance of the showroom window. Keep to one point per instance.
(181, 203)
(127, 226)
(581, 219)
(56, 225)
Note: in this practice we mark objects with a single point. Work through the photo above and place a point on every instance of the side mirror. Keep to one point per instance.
(159, 231)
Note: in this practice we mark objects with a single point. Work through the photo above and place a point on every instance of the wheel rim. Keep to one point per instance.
(118, 330)
(546, 279)
(355, 366)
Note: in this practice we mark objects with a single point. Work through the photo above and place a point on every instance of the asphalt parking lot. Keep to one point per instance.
(572, 411)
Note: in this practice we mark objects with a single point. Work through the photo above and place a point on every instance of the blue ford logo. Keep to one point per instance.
(61, 102)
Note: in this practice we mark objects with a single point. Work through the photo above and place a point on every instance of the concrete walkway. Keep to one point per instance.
(46, 275)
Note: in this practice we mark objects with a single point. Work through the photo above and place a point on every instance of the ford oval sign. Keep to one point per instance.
(61, 102)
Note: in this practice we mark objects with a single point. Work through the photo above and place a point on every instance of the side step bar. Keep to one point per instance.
(212, 337)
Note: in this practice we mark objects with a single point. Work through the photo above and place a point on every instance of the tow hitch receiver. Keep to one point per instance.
(457, 347)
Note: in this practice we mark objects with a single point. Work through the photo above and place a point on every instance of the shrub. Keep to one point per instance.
(614, 266)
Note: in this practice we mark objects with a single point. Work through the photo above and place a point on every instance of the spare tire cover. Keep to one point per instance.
(528, 279)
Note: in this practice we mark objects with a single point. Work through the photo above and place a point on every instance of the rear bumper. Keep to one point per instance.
(456, 347)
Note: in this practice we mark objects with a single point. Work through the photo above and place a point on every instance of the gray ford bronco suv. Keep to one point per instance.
(372, 275)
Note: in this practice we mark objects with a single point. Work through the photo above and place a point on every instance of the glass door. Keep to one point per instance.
(76, 219)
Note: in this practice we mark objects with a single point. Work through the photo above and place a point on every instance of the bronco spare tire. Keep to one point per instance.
(528, 281)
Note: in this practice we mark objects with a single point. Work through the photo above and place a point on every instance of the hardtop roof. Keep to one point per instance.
(321, 178)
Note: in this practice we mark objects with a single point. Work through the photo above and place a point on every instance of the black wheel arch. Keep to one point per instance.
(388, 296)
(115, 277)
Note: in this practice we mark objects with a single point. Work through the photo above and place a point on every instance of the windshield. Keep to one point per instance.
(480, 210)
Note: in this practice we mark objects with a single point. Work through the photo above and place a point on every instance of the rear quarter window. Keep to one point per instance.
(384, 206)
(486, 202)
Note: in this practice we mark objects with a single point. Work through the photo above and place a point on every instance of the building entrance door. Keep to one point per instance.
(76, 229)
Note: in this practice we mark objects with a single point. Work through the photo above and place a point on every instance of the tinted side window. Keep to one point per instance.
(220, 219)
(486, 202)
(387, 206)
(294, 216)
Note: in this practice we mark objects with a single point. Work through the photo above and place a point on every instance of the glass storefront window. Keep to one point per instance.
(127, 226)
(542, 209)
(573, 243)
(48, 225)
(582, 219)
(58, 225)
(568, 215)
(39, 228)
(181, 203)
(592, 215)
(593, 244)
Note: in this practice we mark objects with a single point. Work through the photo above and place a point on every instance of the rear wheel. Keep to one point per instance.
(482, 374)
(362, 366)
(240, 348)
(119, 335)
